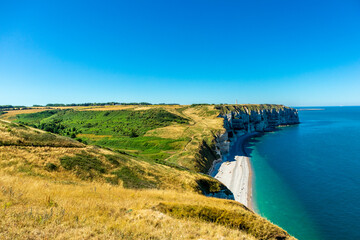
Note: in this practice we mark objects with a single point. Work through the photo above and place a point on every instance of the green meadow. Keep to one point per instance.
(122, 130)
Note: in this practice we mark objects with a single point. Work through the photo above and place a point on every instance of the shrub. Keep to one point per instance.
(115, 159)
(208, 185)
(133, 179)
(51, 167)
(82, 163)
(82, 140)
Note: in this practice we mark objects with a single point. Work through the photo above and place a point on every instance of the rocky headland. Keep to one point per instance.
(232, 167)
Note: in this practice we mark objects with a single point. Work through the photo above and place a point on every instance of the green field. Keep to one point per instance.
(122, 130)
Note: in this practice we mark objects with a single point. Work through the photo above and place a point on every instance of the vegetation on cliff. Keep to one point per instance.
(227, 108)
(119, 130)
(138, 187)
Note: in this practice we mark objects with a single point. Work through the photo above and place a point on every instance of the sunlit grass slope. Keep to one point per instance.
(53, 186)
(172, 135)
(178, 135)
(57, 157)
(36, 208)
(165, 134)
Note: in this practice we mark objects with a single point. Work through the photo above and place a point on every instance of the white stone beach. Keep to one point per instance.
(234, 169)
(235, 176)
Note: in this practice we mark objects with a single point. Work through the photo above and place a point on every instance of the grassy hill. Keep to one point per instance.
(46, 155)
(167, 134)
(119, 130)
(139, 187)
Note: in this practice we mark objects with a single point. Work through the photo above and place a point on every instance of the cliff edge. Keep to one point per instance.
(242, 119)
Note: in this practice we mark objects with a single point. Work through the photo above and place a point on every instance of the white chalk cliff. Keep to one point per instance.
(238, 122)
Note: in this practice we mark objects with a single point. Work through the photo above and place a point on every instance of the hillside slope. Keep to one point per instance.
(55, 187)
(154, 133)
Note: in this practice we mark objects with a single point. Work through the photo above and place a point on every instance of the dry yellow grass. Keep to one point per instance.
(10, 115)
(204, 124)
(101, 108)
(120, 107)
(19, 135)
(93, 136)
(39, 209)
(174, 131)
(27, 151)
(36, 203)
(31, 161)
(41, 204)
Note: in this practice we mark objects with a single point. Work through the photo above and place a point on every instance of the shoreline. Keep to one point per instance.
(243, 141)
(235, 171)
(250, 199)
(251, 202)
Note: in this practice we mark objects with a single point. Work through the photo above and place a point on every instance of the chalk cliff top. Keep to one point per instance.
(226, 108)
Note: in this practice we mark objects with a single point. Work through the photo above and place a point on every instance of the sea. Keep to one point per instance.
(306, 177)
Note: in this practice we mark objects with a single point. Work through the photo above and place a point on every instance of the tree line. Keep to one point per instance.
(99, 104)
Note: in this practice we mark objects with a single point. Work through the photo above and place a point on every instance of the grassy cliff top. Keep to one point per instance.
(226, 108)
(170, 134)
(157, 133)
(30, 152)
(114, 185)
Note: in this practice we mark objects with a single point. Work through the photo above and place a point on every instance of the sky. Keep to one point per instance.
(297, 53)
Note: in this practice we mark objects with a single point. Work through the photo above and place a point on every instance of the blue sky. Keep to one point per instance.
(298, 53)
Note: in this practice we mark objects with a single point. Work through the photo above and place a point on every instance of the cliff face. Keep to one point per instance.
(242, 119)
(259, 120)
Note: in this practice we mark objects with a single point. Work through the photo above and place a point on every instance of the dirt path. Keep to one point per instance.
(200, 127)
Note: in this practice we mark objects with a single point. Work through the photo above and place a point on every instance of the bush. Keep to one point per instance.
(53, 127)
(133, 179)
(208, 185)
(115, 159)
(82, 140)
(51, 167)
(82, 163)
(133, 134)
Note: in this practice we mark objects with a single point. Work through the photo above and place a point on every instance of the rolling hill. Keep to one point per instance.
(132, 173)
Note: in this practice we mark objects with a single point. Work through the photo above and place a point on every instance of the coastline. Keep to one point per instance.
(250, 199)
(251, 202)
(235, 171)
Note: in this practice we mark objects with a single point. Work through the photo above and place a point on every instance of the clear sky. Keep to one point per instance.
(298, 53)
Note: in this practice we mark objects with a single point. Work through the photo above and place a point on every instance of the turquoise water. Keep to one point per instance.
(307, 177)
